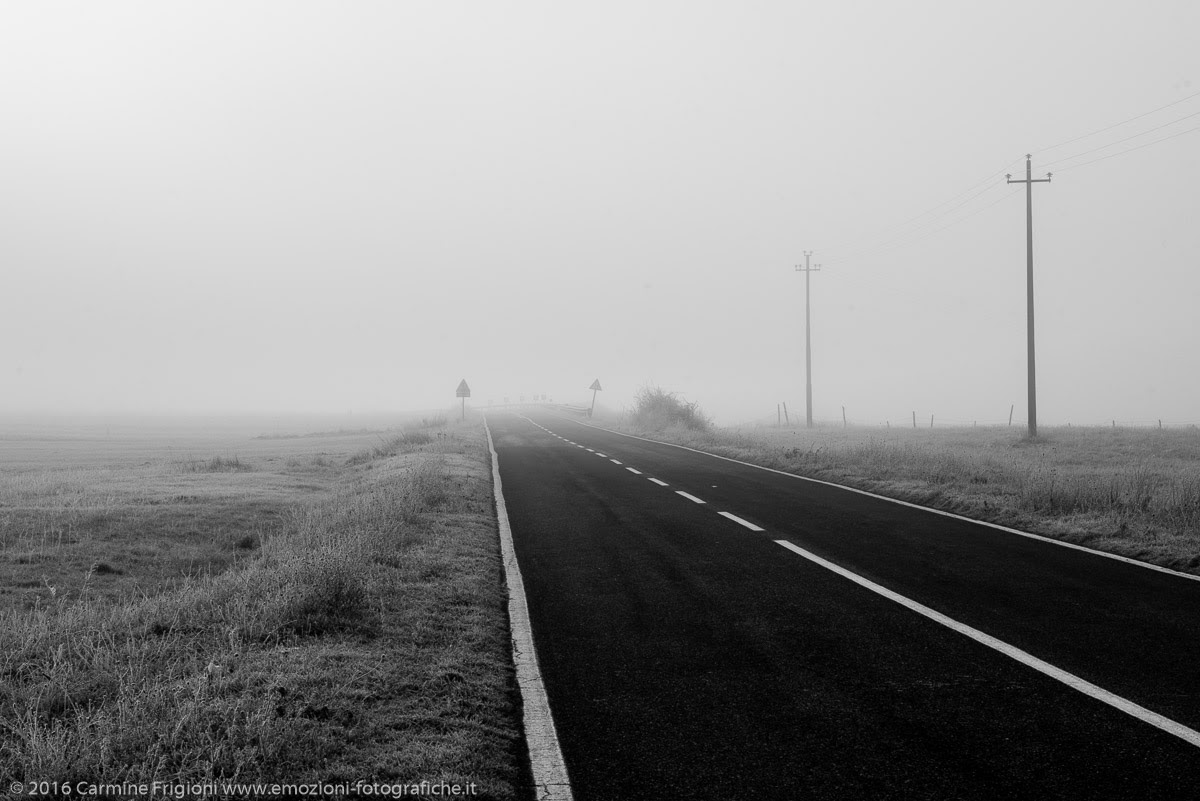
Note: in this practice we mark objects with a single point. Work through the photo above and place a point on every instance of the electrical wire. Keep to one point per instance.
(932, 221)
(1130, 150)
(1119, 124)
(987, 180)
(926, 224)
(895, 231)
(1120, 141)
(913, 236)
(906, 233)
(979, 210)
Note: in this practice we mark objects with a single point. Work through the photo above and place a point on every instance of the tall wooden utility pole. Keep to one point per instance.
(1029, 181)
(808, 270)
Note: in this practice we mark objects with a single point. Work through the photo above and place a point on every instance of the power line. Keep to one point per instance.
(965, 217)
(886, 233)
(1130, 150)
(1119, 124)
(1087, 152)
(924, 224)
(916, 235)
(987, 180)
(906, 233)
(901, 234)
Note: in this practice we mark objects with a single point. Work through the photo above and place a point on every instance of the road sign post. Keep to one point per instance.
(463, 392)
(595, 387)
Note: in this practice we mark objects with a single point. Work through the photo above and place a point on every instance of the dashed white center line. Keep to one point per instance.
(615, 461)
(635, 472)
(691, 498)
(601, 455)
(740, 521)
(656, 481)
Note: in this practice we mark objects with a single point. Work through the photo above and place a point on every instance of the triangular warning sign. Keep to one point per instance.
(463, 390)
(596, 385)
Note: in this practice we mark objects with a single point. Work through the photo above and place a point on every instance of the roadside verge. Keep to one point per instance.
(545, 756)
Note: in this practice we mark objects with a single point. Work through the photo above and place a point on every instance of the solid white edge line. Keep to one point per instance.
(545, 755)
(997, 526)
(658, 482)
(739, 520)
(689, 496)
(1070, 679)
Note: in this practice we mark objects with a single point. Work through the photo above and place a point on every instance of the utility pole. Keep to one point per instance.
(1029, 181)
(808, 269)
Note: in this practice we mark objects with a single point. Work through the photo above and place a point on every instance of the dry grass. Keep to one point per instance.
(139, 522)
(1135, 492)
(356, 632)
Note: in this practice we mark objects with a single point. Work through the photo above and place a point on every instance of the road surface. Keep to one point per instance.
(711, 630)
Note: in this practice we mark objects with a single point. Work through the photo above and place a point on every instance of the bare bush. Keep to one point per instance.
(656, 410)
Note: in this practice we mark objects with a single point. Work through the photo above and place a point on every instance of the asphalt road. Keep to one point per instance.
(687, 655)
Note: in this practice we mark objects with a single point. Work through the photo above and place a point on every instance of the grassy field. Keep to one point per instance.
(185, 607)
(1134, 492)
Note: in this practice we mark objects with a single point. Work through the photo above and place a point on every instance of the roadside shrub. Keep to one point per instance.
(656, 409)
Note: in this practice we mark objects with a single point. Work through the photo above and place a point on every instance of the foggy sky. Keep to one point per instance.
(304, 207)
